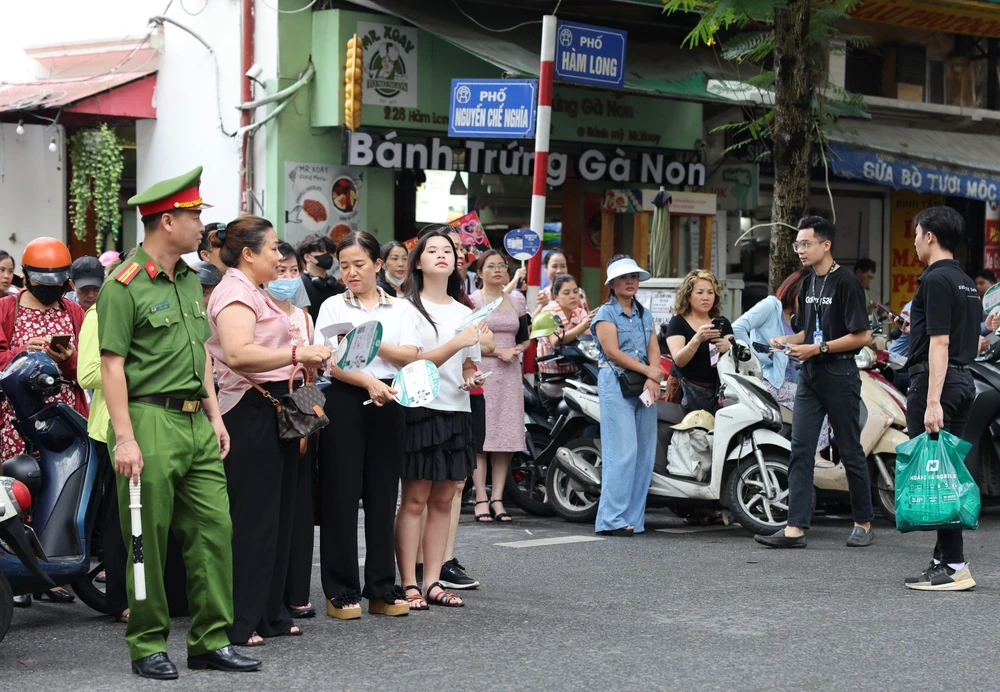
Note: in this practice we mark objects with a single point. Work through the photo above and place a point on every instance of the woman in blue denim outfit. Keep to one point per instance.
(624, 331)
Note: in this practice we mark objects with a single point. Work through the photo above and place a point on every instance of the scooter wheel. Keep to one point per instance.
(748, 502)
(569, 500)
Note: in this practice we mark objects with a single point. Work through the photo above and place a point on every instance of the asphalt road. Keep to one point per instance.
(680, 607)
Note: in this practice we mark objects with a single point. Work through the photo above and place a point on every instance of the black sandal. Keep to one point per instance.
(484, 518)
(415, 599)
(503, 517)
(444, 598)
(55, 595)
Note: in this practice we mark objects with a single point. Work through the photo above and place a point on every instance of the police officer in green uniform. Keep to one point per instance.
(166, 426)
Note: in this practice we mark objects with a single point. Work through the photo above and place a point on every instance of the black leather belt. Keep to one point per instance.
(183, 405)
(925, 367)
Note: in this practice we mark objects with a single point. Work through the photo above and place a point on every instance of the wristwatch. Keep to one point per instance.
(824, 348)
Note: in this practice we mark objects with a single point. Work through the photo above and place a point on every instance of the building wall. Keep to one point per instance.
(189, 96)
(32, 192)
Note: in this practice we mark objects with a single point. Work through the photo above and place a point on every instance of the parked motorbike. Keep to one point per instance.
(543, 406)
(983, 429)
(61, 477)
(749, 458)
(18, 541)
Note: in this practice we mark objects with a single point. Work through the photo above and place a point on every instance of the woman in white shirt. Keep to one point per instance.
(439, 440)
(361, 451)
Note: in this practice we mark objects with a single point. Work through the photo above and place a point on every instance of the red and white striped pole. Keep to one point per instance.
(543, 123)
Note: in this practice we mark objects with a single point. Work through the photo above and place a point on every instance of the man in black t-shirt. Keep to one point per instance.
(944, 339)
(834, 327)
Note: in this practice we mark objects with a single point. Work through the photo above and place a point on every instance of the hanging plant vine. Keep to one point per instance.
(96, 158)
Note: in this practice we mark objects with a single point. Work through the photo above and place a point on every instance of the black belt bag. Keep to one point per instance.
(925, 367)
(631, 382)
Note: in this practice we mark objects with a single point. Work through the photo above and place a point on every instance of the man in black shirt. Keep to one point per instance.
(834, 327)
(944, 338)
(317, 252)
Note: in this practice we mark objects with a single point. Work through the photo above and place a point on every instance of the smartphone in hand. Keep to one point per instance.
(60, 341)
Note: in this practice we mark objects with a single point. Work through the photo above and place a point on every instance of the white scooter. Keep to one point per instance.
(749, 464)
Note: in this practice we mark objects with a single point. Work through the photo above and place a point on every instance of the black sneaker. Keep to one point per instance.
(941, 577)
(453, 576)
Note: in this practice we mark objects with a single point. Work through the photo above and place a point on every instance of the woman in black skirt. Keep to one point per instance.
(361, 451)
(252, 338)
(439, 439)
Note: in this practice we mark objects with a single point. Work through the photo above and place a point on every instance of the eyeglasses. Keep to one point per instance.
(804, 244)
(500, 266)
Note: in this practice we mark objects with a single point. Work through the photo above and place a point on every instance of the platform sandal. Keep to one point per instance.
(443, 598)
(484, 518)
(337, 607)
(416, 600)
(386, 605)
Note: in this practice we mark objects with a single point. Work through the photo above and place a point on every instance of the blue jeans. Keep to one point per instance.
(628, 450)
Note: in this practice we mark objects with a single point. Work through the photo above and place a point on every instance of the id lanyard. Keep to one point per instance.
(818, 332)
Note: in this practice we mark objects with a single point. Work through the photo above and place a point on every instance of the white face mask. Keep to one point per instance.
(393, 280)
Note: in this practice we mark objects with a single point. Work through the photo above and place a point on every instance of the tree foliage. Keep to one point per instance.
(781, 47)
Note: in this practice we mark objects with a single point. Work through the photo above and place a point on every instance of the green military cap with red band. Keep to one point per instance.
(171, 195)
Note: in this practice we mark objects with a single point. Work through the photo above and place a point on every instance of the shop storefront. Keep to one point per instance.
(399, 170)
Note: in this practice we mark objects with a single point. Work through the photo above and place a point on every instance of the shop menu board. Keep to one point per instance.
(659, 301)
(321, 198)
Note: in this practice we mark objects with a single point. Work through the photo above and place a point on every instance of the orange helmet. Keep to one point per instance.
(46, 261)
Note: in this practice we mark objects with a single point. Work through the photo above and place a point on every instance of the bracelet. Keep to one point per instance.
(294, 360)
(119, 444)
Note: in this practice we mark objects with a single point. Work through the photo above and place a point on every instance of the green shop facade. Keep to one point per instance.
(398, 170)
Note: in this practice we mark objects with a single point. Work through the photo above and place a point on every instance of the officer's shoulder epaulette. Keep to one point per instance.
(127, 273)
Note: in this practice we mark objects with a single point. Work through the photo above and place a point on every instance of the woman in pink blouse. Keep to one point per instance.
(252, 338)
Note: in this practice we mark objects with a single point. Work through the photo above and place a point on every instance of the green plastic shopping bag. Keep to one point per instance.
(934, 489)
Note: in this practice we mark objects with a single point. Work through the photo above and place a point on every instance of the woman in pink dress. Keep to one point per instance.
(504, 398)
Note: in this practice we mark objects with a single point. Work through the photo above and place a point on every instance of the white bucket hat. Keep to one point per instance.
(624, 266)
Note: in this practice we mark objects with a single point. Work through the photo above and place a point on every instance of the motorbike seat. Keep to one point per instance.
(667, 412)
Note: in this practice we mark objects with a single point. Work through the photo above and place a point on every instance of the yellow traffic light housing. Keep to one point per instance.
(353, 84)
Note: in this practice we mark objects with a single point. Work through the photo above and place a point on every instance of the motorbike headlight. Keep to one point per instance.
(865, 359)
(589, 349)
(767, 410)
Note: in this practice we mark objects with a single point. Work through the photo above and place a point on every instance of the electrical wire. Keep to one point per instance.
(159, 21)
(193, 14)
(301, 9)
(497, 31)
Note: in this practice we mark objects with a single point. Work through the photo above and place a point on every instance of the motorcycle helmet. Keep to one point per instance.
(697, 419)
(24, 468)
(208, 273)
(544, 324)
(46, 261)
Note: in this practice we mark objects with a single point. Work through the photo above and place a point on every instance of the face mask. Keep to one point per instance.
(393, 280)
(324, 261)
(46, 295)
(283, 289)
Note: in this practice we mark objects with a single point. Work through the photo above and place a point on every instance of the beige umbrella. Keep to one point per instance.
(661, 234)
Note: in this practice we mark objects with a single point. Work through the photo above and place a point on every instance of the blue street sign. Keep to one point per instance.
(493, 108)
(590, 54)
(522, 243)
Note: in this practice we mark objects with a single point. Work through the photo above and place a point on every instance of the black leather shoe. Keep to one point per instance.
(780, 540)
(22, 601)
(155, 667)
(307, 612)
(226, 659)
(860, 538)
(55, 595)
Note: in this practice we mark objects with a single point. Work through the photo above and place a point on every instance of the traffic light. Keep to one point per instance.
(352, 84)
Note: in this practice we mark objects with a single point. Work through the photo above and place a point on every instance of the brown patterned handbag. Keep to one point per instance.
(300, 412)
